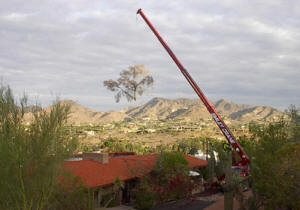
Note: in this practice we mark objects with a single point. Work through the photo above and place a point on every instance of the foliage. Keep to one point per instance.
(71, 194)
(132, 82)
(270, 139)
(248, 144)
(229, 185)
(294, 123)
(107, 201)
(118, 186)
(30, 157)
(117, 145)
(191, 145)
(169, 180)
(171, 162)
(233, 186)
(285, 184)
(171, 174)
(275, 163)
(145, 198)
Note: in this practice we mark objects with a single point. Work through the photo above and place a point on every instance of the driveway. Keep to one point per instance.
(185, 204)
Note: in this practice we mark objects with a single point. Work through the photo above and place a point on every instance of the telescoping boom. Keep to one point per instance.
(217, 118)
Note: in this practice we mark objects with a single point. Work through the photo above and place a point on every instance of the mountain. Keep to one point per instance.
(79, 114)
(194, 110)
(170, 109)
(164, 109)
(247, 113)
(82, 115)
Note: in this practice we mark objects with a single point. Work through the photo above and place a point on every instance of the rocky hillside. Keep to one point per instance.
(82, 115)
(194, 110)
(167, 109)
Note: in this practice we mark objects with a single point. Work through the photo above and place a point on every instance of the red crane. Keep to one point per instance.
(245, 161)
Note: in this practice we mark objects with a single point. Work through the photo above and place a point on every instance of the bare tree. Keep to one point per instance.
(132, 82)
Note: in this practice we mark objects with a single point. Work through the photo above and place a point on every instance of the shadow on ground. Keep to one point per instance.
(185, 204)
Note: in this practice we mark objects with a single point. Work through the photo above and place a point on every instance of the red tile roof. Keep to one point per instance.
(96, 174)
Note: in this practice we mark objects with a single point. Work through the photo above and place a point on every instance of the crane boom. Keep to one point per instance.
(217, 118)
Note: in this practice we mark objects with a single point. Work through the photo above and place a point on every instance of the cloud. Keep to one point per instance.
(246, 52)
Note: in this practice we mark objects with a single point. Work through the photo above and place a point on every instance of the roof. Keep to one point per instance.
(96, 174)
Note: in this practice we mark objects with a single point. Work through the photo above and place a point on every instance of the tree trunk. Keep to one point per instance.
(228, 200)
(134, 95)
(134, 92)
(228, 192)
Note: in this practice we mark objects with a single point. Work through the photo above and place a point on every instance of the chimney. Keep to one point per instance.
(96, 156)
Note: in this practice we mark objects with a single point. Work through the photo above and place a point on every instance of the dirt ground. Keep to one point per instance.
(219, 203)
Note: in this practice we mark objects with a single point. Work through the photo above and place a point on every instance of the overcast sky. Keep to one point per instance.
(247, 52)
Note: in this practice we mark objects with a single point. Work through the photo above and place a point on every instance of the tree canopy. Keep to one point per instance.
(274, 152)
(31, 156)
(131, 83)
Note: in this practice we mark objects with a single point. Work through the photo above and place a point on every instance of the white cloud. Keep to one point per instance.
(246, 52)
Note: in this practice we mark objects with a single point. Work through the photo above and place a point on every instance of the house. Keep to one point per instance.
(99, 171)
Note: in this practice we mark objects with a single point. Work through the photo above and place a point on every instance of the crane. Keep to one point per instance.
(245, 161)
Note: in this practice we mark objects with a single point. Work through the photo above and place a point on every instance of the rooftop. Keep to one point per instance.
(97, 174)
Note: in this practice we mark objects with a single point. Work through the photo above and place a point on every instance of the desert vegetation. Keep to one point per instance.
(169, 181)
(31, 156)
(131, 83)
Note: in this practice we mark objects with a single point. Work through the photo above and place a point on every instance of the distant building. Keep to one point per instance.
(90, 133)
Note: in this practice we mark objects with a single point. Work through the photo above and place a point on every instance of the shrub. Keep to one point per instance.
(30, 157)
(145, 197)
(171, 176)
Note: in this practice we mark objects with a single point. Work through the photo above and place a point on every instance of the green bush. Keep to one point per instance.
(144, 195)
(171, 173)
(31, 156)
(274, 152)
(282, 189)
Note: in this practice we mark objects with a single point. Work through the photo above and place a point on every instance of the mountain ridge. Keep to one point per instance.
(170, 109)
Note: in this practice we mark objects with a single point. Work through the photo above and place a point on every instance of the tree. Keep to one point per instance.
(132, 82)
(228, 186)
(31, 156)
(169, 180)
(294, 123)
(285, 183)
(274, 151)
(171, 173)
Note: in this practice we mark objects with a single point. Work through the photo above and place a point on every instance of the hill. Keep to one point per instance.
(170, 109)
(194, 110)
(81, 115)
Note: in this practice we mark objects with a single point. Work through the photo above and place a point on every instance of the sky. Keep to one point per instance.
(247, 52)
